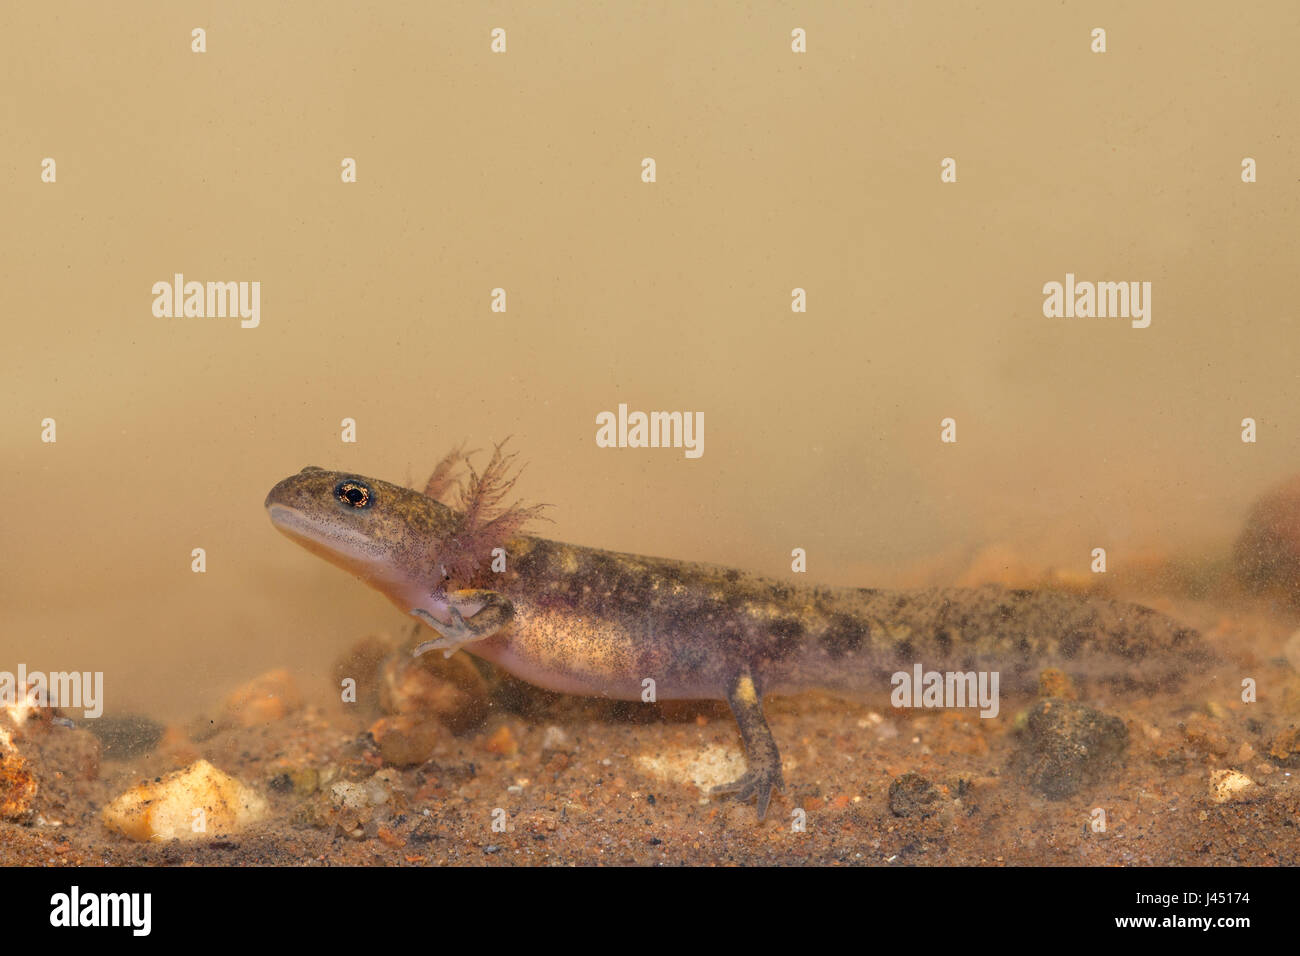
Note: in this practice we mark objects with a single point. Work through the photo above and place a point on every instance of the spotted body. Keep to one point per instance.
(588, 621)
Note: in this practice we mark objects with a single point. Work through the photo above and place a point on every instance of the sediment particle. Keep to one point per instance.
(1068, 746)
(449, 689)
(271, 696)
(17, 786)
(1205, 735)
(503, 742)
(1229, 785)
(405, 740)
(912, 795)
(169, 808)
(1054, 682)
(554, 738)
(1284, 749)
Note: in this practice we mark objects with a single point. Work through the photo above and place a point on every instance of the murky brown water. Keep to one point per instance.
(775, 171)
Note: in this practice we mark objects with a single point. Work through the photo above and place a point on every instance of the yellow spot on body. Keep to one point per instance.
(569, 562)
(745, 690)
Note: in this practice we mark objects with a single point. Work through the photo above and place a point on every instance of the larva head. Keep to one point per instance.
(387, 535)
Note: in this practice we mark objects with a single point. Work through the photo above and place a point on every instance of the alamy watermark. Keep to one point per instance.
(129, 910)
(1102, 300)
(63, 689)
(922, 688)
(651, 430)
(208, 300)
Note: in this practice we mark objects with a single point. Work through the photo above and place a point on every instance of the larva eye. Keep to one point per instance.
(353, 493)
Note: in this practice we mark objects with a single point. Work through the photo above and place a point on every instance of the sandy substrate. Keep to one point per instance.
(1200, 778)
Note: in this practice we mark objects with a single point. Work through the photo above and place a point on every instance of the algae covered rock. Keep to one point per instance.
(1267, 554)
(1068, 746)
